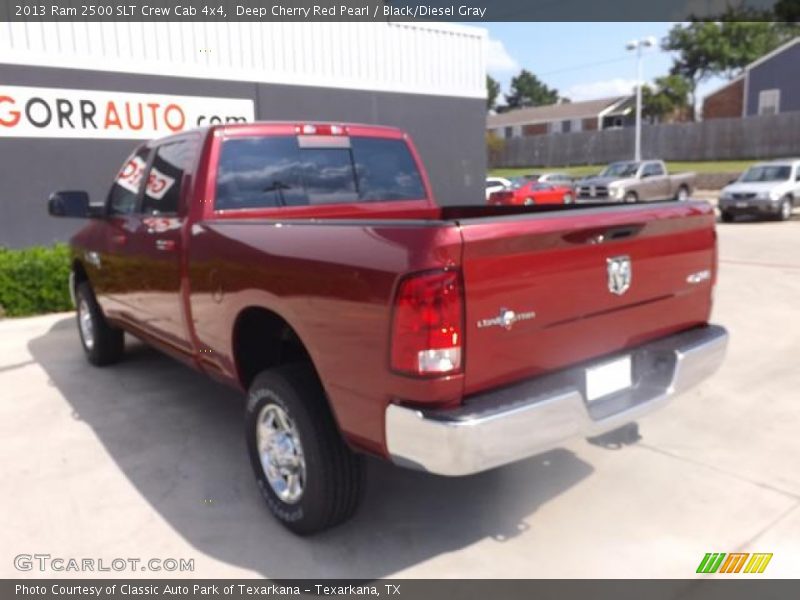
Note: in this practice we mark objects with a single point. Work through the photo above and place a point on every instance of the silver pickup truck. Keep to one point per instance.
(633, 181)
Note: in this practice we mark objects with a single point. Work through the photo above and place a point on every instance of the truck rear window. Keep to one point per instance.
(276, 171)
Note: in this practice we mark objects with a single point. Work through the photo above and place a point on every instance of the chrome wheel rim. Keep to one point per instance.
(786, 207)
(86, 324)
(682, 195)
(281, 453)
(567, 198)
(529, 202)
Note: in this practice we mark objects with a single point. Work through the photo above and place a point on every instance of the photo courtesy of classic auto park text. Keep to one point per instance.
(416, 296)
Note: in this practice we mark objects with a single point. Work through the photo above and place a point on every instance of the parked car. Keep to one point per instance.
(562, 179)
(767, 189)
(636, 181)
(308, 265)
(495, 184)
(554, 178)
(532, 192)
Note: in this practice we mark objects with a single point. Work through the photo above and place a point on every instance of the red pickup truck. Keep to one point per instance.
(308, 265)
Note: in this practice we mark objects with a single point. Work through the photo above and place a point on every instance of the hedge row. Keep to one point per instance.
(34, 280)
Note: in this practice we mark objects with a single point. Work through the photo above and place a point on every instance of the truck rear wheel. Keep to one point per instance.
(308, 477)
(102, 343)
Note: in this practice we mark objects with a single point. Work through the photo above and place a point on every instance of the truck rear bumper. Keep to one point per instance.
(515, 422)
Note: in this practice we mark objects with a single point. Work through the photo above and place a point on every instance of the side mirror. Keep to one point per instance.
(72, 204)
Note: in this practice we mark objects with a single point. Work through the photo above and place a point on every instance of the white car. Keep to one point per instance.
(766, 189)
(557, 179)
(496, 184)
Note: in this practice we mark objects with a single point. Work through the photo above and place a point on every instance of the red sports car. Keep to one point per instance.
(533, 192)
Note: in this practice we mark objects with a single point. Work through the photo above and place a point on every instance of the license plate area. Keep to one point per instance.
(741, 205)
(608, 378)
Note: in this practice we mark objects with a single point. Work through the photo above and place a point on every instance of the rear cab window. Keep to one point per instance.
(274, 171)
(653, 170)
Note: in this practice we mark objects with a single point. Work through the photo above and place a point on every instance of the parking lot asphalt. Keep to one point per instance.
(146, 459)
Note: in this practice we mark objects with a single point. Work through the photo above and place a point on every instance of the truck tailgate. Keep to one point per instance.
(563, 276)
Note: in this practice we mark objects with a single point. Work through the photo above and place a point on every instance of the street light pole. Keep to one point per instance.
(639, 45)
(637, 153)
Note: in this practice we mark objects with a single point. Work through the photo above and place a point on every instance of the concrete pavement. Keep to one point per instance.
(146, 459)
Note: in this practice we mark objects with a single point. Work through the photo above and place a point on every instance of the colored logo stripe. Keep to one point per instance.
(717, 561)
(711, 562)
(734, 562)
(758, 563)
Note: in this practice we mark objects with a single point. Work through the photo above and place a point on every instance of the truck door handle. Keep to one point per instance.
(165, 245)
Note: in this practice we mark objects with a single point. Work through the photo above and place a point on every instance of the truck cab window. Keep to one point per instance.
(163, 190)
(122, 198)
(259, 172)
(328, 175)
(386, 170)
(275, 171)
(652, 170)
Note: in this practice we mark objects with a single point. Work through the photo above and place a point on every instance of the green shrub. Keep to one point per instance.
(34, 280)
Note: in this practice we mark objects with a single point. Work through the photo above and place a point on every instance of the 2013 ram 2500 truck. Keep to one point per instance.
(309, 265)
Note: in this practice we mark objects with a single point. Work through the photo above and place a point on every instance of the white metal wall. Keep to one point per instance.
(441, 59)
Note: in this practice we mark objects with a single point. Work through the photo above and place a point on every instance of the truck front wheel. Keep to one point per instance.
(307, 475)
(785, 209)
(102, 343)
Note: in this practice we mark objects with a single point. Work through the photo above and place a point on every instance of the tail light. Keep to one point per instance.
(501, 198)
(428, 324)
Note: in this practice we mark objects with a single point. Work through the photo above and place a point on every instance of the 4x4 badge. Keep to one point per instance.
(620, 274)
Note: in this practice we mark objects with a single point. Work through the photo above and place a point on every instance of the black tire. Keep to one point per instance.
(631, 197)
(333, 474)
(106, 345)
(785, 209)
(726, 217)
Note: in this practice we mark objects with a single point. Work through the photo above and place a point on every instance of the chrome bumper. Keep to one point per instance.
(512, 423)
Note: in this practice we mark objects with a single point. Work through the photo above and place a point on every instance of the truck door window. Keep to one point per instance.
(163, 190)
(124, 193)
(275, 171)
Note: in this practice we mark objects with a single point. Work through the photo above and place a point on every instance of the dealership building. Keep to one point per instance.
(76, 98)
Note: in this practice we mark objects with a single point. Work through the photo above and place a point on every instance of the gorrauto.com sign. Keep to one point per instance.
(65, 113)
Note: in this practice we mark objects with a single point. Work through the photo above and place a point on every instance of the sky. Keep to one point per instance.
(583, 61)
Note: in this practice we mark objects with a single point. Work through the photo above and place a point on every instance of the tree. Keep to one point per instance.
(668, 100)
(492, 92)
(787, 11)
(528, 90)
(723, 47)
